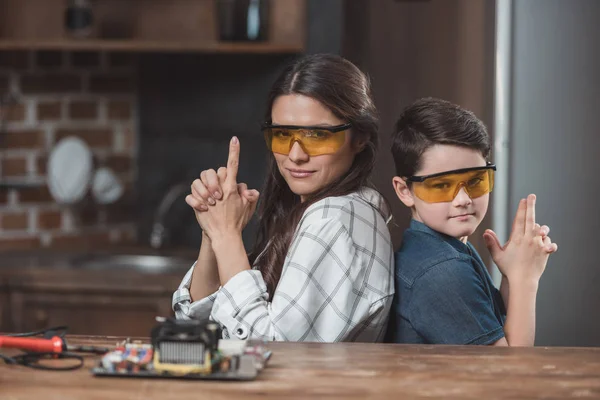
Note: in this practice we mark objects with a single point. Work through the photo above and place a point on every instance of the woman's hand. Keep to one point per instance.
(523, 258)
(200, 203)
(221, 205)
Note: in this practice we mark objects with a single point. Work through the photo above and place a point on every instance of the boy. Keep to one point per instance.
(444, 293)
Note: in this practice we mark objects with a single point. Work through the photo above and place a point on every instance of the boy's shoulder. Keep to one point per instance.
(421, 251)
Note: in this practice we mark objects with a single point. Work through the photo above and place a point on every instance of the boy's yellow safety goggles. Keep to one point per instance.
(444, 186)
(314, 140)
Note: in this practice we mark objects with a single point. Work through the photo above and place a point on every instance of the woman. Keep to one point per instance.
(322, 264)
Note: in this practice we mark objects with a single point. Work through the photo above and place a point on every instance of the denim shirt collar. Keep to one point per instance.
(457, 244)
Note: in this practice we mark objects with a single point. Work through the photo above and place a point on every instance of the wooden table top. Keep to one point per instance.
(344, 371)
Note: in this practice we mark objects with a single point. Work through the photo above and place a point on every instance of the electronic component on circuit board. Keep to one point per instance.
(186, 349)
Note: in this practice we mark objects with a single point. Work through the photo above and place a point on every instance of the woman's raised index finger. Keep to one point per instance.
(233, 161)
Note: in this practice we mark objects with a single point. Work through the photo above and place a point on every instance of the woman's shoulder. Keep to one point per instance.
(354, 210)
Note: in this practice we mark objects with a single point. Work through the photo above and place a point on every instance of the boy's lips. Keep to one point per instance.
(463, 216)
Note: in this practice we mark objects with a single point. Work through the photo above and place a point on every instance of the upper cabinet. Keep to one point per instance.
(210, 26)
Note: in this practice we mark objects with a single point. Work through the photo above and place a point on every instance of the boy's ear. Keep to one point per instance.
(403, 191)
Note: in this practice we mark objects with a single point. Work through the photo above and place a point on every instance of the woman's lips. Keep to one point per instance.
(300, 173)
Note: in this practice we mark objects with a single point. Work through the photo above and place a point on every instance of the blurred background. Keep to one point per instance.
(110, 108)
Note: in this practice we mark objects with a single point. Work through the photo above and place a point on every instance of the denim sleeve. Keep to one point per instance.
(449, 305)
(500, 302)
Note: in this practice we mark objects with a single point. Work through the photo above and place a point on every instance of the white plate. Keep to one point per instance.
(70, 168)
(106, 186)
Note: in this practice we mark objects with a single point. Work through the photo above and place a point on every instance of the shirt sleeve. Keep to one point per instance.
(182, 301)
(323, 294)
(500, 302)
(449, 306)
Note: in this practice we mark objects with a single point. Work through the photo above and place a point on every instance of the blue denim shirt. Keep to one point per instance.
(444, 293)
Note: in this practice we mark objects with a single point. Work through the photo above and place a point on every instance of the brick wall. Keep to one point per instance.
(56, 94)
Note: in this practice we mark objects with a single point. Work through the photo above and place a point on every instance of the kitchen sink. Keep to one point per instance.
(146, 263)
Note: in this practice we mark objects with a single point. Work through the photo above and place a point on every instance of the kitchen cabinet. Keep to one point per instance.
(4, 305)
(146, 26)
(108, 301)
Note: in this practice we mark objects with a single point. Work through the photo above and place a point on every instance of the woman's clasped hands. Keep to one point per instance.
(223, 206)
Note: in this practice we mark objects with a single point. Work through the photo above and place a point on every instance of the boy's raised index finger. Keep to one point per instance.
(233, 161)
(530, 216)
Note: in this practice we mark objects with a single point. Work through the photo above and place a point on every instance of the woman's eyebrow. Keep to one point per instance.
(322, 123)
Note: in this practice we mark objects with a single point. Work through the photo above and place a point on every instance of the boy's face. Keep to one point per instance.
(457, 218)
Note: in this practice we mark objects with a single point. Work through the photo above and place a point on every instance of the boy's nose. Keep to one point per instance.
(462, 198)
(297, 153)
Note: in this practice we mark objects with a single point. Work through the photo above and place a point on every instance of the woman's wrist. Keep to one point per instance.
(225, 239)
(231, 255)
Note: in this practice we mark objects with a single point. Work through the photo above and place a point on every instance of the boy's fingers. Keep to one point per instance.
(539, 241)
(519, 221)
(549, 246)
(492, 243)
(530, 214)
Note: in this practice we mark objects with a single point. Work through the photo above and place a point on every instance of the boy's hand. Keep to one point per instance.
(526, 253)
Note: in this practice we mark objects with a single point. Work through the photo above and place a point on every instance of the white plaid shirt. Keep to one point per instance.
(336, 285)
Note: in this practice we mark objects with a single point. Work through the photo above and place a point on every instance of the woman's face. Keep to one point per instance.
(306, 174)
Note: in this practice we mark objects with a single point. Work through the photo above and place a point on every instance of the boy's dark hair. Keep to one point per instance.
(431, 121)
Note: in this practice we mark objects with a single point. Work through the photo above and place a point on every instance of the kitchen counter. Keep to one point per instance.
(87, 291)
(67, 258)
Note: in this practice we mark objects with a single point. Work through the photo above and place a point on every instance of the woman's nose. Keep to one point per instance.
(297, 153)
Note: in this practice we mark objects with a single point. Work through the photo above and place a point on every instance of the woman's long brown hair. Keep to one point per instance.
(341, 87)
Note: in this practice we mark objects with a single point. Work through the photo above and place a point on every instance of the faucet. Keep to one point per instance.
(159, 231)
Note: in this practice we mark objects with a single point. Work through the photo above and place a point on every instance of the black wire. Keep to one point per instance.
(63, 329)
(32, 359)
(6, 359)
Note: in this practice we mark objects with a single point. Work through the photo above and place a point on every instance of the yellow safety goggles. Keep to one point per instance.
(444, 186)
(314, 140)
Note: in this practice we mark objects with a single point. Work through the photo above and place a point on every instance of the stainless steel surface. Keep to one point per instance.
(502, 115)
(146, 263)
